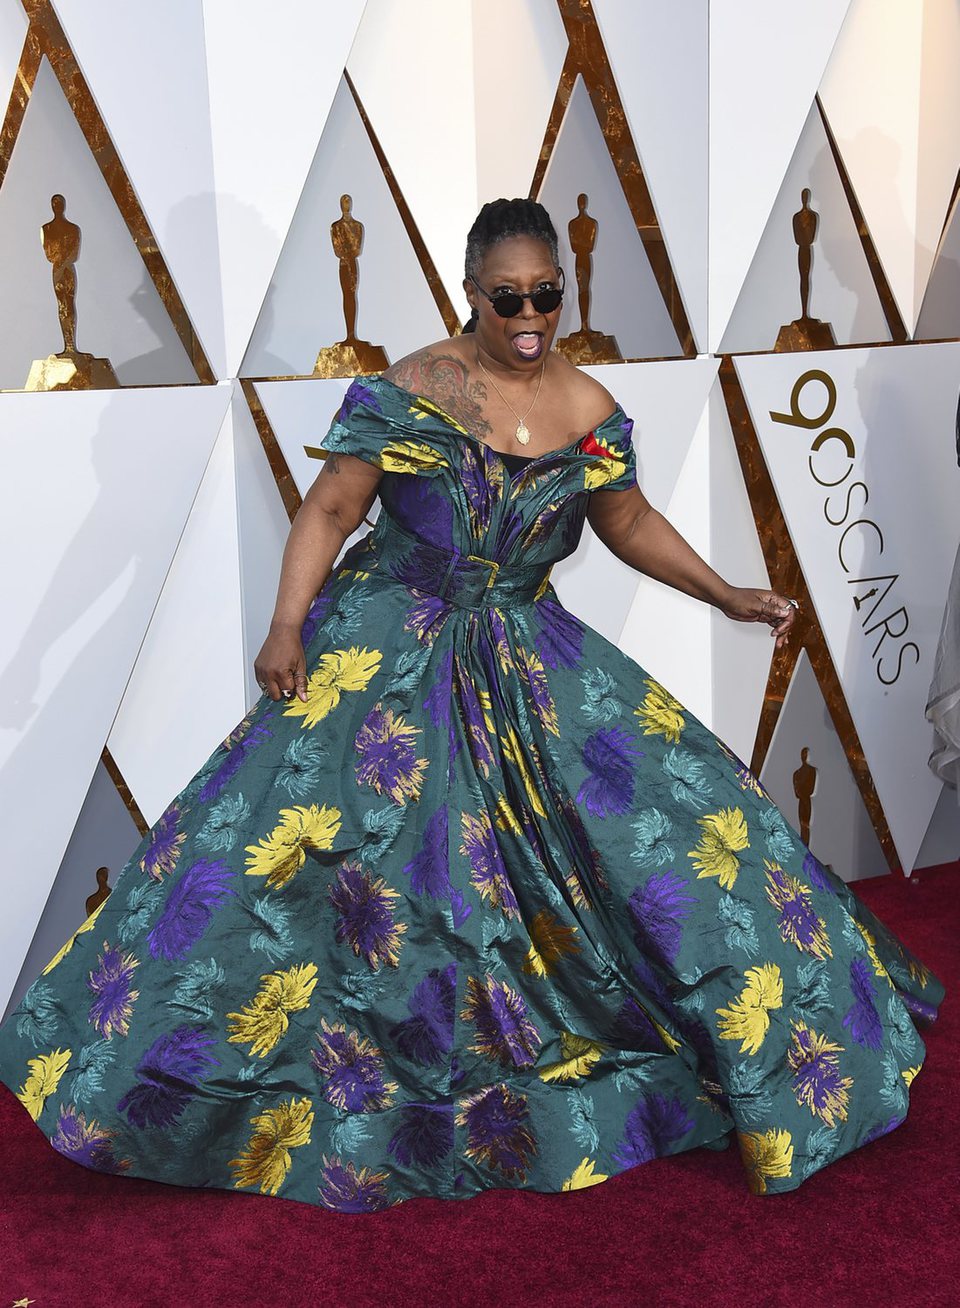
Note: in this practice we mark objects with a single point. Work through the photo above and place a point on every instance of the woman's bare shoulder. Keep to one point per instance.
(590, 401)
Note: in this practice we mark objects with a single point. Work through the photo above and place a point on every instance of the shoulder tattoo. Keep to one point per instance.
(444, 379)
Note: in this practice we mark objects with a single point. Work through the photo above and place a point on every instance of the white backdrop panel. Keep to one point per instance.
(120, 471)
(765, 66)
(157, 112)
(263, 143)
(842, 291)
(510, 128)
(877, 547)
(893, 99)
(413, 67)
(186, 691)
(659, 55)
(625, 300)
(13, 29)
(119, 313)
(303, 308)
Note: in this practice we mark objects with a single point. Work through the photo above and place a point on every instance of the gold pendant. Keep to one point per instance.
(523, 434)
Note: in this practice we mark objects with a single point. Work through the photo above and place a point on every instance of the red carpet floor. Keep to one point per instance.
(880, 1226)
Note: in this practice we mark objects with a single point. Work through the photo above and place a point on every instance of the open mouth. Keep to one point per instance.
(528, 345)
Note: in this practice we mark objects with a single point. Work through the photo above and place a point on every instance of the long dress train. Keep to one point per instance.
(491, 908)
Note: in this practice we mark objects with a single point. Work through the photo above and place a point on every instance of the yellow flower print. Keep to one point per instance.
(670, 1041)
(486, 706)
(516, 753)
(550, 942)
(605, 468)
(61, 954)
(504, 817)
(766, 1154)
(43, 1077)
(661, 714)
(339, 671)
(724, 835)
(266, 1018)
(280, 855)
(870, 941)
(748, 1017)
(579, 1058)
(909, 1073)
(578, 895)
(583, 1175)
(535, 675)
(409, 456)
(266, 1160)
(425, 407)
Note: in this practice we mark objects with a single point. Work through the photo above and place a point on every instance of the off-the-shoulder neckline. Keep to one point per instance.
(459, 427)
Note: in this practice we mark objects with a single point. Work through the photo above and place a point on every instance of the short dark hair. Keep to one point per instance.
(500, 219)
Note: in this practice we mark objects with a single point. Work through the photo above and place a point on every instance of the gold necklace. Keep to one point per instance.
(523, 432)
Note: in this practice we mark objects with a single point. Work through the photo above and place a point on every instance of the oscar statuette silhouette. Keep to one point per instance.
(805, 333)
(350, 356)
(586, 345)
(70, 369)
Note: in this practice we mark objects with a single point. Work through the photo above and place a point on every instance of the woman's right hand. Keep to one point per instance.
(281, 667)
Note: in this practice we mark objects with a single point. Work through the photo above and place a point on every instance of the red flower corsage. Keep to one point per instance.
(590, 445)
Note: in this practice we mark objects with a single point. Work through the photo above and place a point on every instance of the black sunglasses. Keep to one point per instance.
(507, 304)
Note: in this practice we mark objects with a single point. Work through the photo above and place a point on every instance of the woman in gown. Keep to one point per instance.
(469, 900)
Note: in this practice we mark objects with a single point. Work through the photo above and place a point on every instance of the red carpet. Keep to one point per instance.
(878, 1226)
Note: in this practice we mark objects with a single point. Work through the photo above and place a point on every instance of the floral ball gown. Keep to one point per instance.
(490, 908)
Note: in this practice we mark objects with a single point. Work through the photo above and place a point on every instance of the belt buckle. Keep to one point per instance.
(494, 568)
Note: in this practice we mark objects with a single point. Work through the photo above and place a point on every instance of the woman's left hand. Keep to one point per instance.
(746, 605)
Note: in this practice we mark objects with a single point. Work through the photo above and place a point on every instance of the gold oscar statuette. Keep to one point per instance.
(805, 333)
(71, 369)
(350, 356)
(586, 345)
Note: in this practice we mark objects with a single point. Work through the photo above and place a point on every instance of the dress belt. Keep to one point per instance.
(464, 580)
